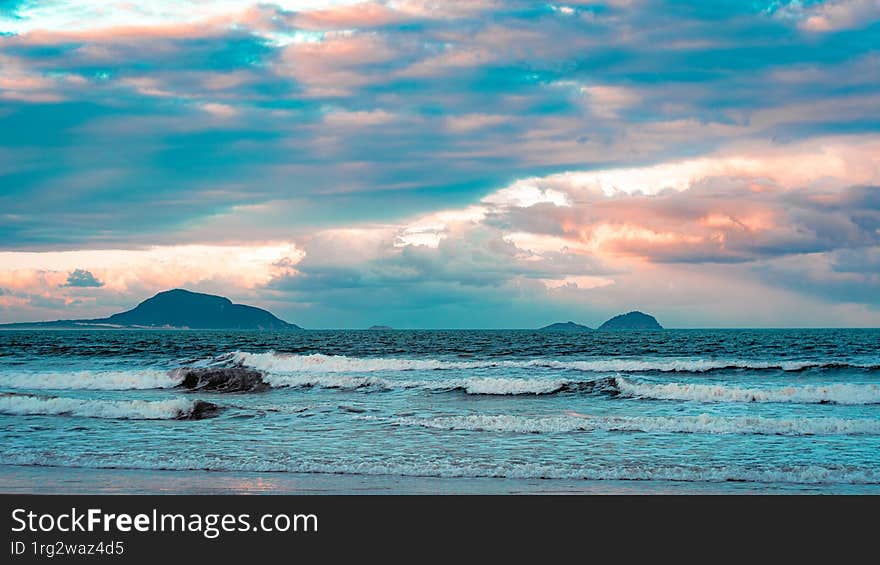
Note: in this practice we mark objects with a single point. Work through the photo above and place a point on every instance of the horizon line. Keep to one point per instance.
(5, 327)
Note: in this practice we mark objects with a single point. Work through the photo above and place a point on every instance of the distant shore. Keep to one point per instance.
(17, 479)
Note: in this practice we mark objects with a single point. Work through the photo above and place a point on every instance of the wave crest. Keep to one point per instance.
(90, 380)
(701, 424)
(173, 409)
(852, 394)
(474, 385)
(319, 363)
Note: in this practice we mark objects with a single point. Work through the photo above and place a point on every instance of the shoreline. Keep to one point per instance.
(21, 479)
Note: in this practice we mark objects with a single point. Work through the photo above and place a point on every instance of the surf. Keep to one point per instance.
(173, 409)
(841, 393)
(700, 424)
(135, 379)
(817, 474)
(272, 361)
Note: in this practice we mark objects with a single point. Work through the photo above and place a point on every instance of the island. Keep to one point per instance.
(177, 309)
(381, 328)
(634, 320)
(566, 327)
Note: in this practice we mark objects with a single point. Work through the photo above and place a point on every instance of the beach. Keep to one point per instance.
(418, 412)
(17, 479)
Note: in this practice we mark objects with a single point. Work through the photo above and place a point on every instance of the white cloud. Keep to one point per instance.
(159, 268)
(835, 15)
(523, 194)
(835, 162)
(584, 282)
(89, 15)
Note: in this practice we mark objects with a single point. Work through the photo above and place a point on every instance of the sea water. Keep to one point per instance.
(791, 410)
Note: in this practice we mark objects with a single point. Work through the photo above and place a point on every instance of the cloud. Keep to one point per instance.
(213, 111)
(576, 233)
(608, 101)
(336, 65)
(731, 207)
(848, 276)
(104, 278)
(584, 235)
(333, 157)
(833, 15)
(82, 278)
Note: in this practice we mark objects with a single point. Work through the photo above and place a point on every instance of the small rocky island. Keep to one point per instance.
(178, 309)
(634, 320)
(566, 327)
(380, 328)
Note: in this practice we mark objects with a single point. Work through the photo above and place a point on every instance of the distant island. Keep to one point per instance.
(184, 309)
(632, 321)
(178, 309)
(566, 327)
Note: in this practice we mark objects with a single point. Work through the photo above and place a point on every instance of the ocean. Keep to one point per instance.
(704, 410)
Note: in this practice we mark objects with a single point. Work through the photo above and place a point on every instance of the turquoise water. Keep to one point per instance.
(797, 410)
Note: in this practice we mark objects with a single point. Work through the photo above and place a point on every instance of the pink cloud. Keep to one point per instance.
(136, 273)
(836, 15)
(606, 100)
(358, 119)
(19, 82)
(470, 122)
(365, 14)
(333, 66)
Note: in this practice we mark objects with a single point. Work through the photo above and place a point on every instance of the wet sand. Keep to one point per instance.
(15, 479)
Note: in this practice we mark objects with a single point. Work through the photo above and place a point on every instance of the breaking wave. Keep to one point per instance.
(806, 394)
(702, 424)
(90, 380)
(698, 365)
(174, 409)
(332, 375)
(610, 385)
(473, 385)
(502, 386)
(319, 363)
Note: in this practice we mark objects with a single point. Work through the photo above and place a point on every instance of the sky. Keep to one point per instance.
(423, 164)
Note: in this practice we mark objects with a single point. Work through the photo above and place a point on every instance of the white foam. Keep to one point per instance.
(475, 385)
(91, 380)
(501, 386)
(319, 363)
(329, 381)
(21, 405)
(391, 466)
(701, 424)
(803, 394)
(677, 365)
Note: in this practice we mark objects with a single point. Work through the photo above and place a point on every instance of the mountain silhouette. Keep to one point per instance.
(632, 321)
(181, 308)
(566, 327)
